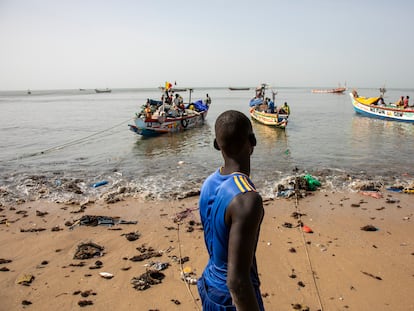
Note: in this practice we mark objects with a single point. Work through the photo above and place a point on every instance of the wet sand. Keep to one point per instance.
(337, 267)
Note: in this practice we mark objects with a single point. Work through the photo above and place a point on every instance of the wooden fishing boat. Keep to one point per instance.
(161, 118)
(231, 88)
(260, 110)
(338, 90)
(271, 119)
(372, 107)
(103, 90)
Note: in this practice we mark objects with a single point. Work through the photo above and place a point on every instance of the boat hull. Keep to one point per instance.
(383, 112)
(269, 119)
(155, 127)
(338, 90)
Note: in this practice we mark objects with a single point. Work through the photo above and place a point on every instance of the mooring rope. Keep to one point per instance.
(187, 285)
(304, 244)
(70, 143)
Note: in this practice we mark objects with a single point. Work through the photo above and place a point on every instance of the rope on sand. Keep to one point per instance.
(187, 285)
(70, 143)
(304, 244)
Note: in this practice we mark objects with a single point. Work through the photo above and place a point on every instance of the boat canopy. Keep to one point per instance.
(367, 100)
(256, 101)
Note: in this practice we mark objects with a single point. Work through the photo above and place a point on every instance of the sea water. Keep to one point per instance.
(57, 144)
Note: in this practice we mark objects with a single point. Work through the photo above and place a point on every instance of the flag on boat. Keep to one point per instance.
(168, 85)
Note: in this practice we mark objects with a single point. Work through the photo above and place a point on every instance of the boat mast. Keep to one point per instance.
(189, 100)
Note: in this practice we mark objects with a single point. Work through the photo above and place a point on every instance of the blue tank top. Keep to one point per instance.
(216, 194)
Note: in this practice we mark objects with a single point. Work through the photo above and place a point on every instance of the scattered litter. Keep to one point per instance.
(25, 279)
(371, 275)
(146, 255)
(285, 193)
(159, 266)
(189, 276)
(312, 183)
(177, 302)
(32, 230)
(106, 275)
(392, 200)
(84, 303)
(99, 183)
(41, 214)
(298, 306)
(147, 279)
(88, 250)
(132, 236)
(307, 229)
(94, 220)
(373, 194)
(287, 225)
(184, 214)
(395, 189)
(369, 228)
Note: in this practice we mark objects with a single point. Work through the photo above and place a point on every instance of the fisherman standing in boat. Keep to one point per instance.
(208, 100)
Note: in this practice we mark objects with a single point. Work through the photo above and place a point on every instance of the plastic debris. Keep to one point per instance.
(189, 276)
(106, 275)
(25, 279)
(312, 182)
(307, 229)
(99, 183)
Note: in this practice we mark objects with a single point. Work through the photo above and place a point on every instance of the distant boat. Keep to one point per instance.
(239, 88)
(103, 90)
(375, 108)
(338, 90)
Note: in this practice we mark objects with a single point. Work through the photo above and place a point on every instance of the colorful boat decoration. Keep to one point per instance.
(160, 117)
(262, 109)
(376, 108)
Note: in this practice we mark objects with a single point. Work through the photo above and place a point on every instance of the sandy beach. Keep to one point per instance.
(337, 267)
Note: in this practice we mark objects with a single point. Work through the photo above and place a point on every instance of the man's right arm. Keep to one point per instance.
(244, 216)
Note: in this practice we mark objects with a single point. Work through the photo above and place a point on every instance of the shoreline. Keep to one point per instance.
(337, 267)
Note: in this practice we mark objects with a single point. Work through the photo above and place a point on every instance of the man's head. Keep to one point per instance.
(234, 134)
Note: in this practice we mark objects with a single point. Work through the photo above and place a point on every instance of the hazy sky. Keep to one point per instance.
(70, 44)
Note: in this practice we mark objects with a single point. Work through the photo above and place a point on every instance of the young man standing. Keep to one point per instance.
(231, 212)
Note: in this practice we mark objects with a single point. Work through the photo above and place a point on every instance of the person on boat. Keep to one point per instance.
(400, 102)
(208, 100)
(231, 212)
(178, 102)
(147, 111)
(270, 106)
(407, 98)
(285, 109)
(355, 93)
